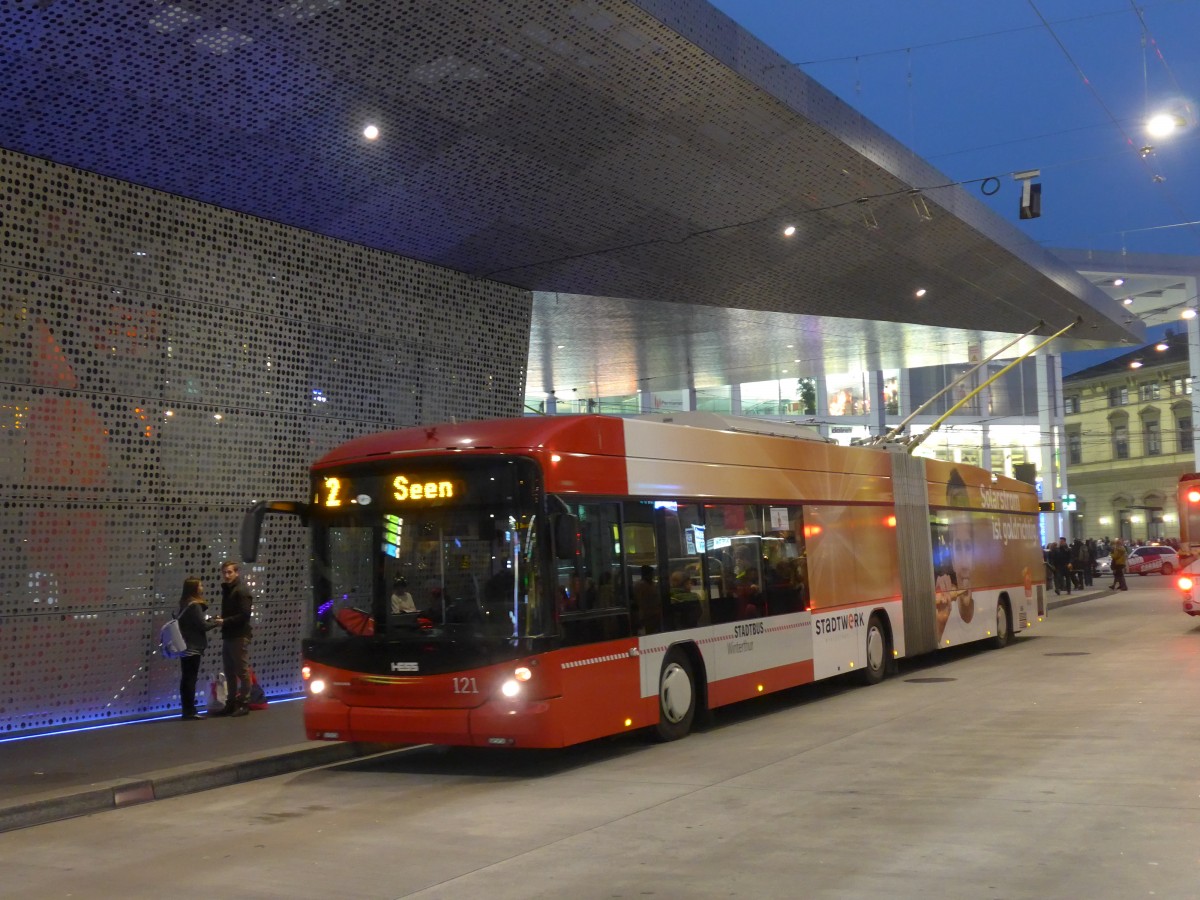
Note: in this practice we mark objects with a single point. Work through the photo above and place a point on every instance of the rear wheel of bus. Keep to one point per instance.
(1003, 625)
(676, 696)
(878, 650)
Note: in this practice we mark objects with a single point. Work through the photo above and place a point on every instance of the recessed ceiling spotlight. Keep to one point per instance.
(1188, 313)
(921, 292)
(1161, 346)
(1117, 282)
(1128, 301)
(1136, 364)
(371, 132)
(789, 231)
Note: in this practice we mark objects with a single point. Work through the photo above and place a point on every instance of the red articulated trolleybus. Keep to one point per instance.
(539, 582)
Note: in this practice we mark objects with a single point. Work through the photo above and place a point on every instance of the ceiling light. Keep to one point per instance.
(371, 132)
(789, 231)
(1188, 313)
(920, 292)
(1161, 346)
(1128, 301)
(1136, 364)
(1117, 282)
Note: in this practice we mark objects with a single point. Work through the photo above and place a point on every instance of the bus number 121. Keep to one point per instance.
(465, 685)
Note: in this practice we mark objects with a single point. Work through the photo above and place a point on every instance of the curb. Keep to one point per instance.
(1071, 601)
(144, 790)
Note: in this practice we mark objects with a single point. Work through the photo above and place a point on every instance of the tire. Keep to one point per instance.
(676, 696)
(1168, 569)
(878, 650)
(1004, 630)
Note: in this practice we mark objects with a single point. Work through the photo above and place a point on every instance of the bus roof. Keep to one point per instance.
(582, 433)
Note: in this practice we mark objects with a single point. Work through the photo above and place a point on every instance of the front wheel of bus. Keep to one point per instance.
(676, 696)
(877, 650)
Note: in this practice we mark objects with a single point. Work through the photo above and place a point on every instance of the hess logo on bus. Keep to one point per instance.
(404, 490)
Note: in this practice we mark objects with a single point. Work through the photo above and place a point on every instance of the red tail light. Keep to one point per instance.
(1184, 583)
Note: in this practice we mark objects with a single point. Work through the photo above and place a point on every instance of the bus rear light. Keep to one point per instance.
(522, 673)
(317, 686)
(510, 688)
(306, 672)
(628, 722)
(1193, 496)
(1184, 583)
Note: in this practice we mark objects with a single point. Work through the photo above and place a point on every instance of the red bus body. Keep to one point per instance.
(860, 533)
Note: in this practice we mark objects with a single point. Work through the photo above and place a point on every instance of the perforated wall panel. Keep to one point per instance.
(165, 363)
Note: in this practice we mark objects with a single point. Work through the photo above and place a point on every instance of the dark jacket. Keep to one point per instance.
(235, 610)
(1060, 556)
(193, 627)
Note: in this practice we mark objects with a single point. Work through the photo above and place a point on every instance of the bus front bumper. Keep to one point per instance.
(532, 723)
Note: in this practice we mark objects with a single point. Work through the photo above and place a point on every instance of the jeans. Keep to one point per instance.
(1062, 580)
(189, 671)
(235, 655)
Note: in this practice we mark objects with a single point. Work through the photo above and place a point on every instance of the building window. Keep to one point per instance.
(1148, 391)
(1186, 438)
(1071, 405)
(1074, 447)
(1120, 441)
(1181, 385)
(1153, 439)
(1118, 396)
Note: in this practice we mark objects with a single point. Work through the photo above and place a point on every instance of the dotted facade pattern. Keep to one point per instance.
(164, 364)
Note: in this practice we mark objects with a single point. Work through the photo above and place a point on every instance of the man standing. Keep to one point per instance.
(235, 634)
(1060, 559)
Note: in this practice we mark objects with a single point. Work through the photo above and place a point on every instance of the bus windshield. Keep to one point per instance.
(425, 547)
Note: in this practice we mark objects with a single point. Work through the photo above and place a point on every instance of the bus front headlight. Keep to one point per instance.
(510, 688)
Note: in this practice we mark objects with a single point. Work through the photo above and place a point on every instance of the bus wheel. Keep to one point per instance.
(676, 696)
(1003, 626)
(877, 651)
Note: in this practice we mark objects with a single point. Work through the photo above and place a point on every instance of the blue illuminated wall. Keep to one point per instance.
(165, 363)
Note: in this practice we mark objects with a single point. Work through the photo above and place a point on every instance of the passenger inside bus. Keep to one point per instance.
(746, 585)
(647, 605)
(685, 605)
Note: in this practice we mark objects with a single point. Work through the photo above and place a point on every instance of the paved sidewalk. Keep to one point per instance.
(57, 776)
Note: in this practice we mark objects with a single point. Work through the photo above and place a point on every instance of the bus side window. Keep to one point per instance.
(590, 605)
(640, 575)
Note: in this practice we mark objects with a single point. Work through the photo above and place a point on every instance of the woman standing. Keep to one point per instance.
(194, 626)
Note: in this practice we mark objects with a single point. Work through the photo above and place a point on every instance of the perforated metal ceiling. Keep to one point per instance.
(576, 147)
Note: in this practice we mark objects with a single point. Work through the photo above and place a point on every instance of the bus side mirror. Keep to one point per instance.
(252, 522)
(566, 531)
